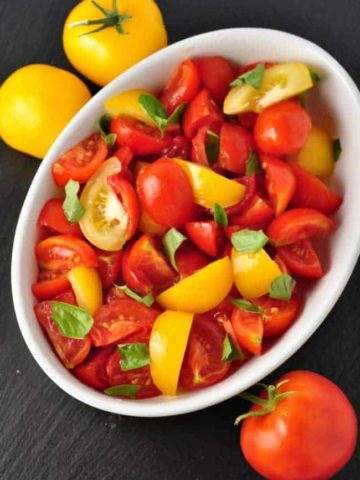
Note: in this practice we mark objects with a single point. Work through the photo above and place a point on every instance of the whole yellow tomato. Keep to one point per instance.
(36, 103)
(102, 39)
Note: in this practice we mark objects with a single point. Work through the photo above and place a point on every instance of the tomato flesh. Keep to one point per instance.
(189, 260)
(248, 329)
(109, 266)
(53, 218)
(93, 371)
(280, 182)
(201, 112)
(179, 148)
(206, 235)
(256, 216)
(301, 258)
(236, 144)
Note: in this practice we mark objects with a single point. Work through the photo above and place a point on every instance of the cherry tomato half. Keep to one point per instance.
(301, 258)
(93, 371)
(236, 144)
(206, 235)
(179, 148)
(248, 329)
(201, 112)
(280, 182)
(216, 73)
(52, 217)
(109, 266)
(256, 216)
(189, 260)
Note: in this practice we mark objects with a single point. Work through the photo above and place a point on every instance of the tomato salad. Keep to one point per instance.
(186, 229)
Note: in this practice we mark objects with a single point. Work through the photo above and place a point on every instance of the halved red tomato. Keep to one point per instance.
(203, 364)
(298, 224)
(249, 330)
(109, 266)
(206, 235)
(257, 215)
(301, 258)
(201, 112)
(189, 260)
(250, 183)
(93, 371)
(311, 192)
(81, 161)
(125, 156)
(71, 351)
(198, 151)
(119, 320)
(280, 182)
(179, 148)
(50, 283)
(68, 296)
(52, 217)
(236, 144)
(216, 73)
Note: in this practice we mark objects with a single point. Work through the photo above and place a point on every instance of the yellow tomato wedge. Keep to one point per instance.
(201, 291)
(317, 155)
(253, 273)
(280, 82)
(168, 340)
(87, 287)
(210, 187)
(127, 104)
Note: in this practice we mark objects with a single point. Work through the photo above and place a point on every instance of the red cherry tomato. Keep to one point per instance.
(250, 183)
(249, 330)
(166, 194)
(203, 364)
(298, 224)
(301, 258)
(182, 87)
(66, 297)
(216, 73)
(50, 283)
(81, 161)
(282, 129)
(247, 120)
(256, 216)
(142, 139)
(189, 260)
(109, 266)
(280, 182)
(207, 236)
(201, 112)
(236, 144)
(310, 434)
(70, 351)
(119, 320)
(178, 148)
(93, 371)
(311, 192)
(52, 217)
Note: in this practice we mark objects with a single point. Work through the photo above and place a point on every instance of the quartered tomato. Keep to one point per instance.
(206, 235)
(236, 144)
(298, 224)
(144, 267)
(248, 329)
(216, 73)
(71, 351)
(52, 217)
(250, 184)
(125, 155)
(301, 258)
(109, 266)
(198, 151)
(189, 260)
(203, 364)
(256, 216)
(119, 320)
(201, 112)
(93, 371)
(182, 87)
(67, 296)
(80, 162)
(280, 182)
(179, 147)
(50, 283)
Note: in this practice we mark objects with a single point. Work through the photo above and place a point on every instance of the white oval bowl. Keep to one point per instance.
(336, 104)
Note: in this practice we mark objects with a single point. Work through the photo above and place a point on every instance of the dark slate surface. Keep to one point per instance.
(45, 434)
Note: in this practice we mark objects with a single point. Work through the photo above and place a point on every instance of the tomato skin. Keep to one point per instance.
(198, 150)
(81, 161)
(66, 297)
(53, 218)
(166, 194)
(310, 435)
(120, 319)
(250, 183)
(125, 155)
(109, 266)
(50, 283)
(71, 351)
(247, 120)
(201, 112)
(189, 259)
(216, 73)
(248, 329)
(206, 235)
(257, 216)
(301, 258)
(311, 192)
(280, 182)
(282, 129)
(142, 139)
(93, 371)
(236, 144)
(179, 148)
(182, 86)
(202, 365)
(298, 224)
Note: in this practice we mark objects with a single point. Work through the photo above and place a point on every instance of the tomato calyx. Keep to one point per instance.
(268, 405)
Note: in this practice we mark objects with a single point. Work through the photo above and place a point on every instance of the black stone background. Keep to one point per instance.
(45, 434)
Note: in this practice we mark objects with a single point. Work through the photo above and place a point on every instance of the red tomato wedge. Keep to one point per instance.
(81, 161)
(298, 224)
(236, 144)
(250, 183)
(203, 364)
(207, 236)
(247, 120)
(201, 112)
(258, 214)
(109, 266)
(125, 155)
(179, 148)
(311, 192)
(68, 296)
(198, 151)
(216, 73)
(119, 320)
(93, 371)
(280, 182)
(52, 217)
(189, 260)
(301, 258)
(182, 87)
(49, 284)
(70, 351)
(248, 329)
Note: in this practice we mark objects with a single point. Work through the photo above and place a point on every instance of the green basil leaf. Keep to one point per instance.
(253, 77)
(175, 117)
(171, 242)
(230, 352)
(337, 149)
(133, 355)
(212, 145)
(314, 75)
(249, 241)
(129, 391)
(302, 99)
(147, 300)
(72, 321)
(282, 287)
(72, 207)
(247, 306)
(253, 164)
(220, 216)
(102, 126)
(155, 110)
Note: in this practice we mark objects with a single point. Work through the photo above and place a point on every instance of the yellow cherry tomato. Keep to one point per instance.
(201, 291)
(317, 155)
(253, 272)
(36, 103)
(168, 340)
(131, 32)
(280, 82)
(87, 287)
(127, 104)
(210, 187)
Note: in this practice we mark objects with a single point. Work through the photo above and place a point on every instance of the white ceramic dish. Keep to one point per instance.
(336, 105)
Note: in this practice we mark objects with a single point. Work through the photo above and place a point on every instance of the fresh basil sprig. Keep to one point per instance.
(253, 77)
(133, 355)
(247, 306)
(253, 164)
(220, 215)
(72, 321)
(157, 112)
(212, 146)
(72, 207)
(171, 242)
(129, 391)
(282, 287)
(147, 300)
(337, 149)
(249, 241)
(230, 352)
(102, 126)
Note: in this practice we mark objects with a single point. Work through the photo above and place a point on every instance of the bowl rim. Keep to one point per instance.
(209, 396)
